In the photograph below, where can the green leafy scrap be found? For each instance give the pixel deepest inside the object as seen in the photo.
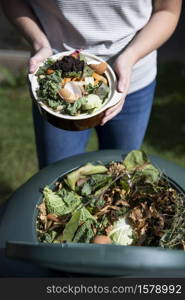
(91, 89)
(82, 57)
(84, 232)
(98, 181)
(58, 204)
(42, 70)
(137, 161)
(49, 86)
(87, 71)
(86, 189)
(48, 237)
(77, 219)
(70, 198)
(53, 103)
(72, 74)
(74, 108)
(88, 169)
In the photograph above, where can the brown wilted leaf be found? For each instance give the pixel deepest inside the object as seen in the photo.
(116, 169)
(103, 211)
(144, 229)
(135, 214)
(141, 224)
(183, 244)
(122, 203)
(42, 208)
(49, 223)
(58, 185)
(108, 199)
(52, 217)
(42, 214)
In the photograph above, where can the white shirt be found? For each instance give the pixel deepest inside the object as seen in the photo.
(101, 27)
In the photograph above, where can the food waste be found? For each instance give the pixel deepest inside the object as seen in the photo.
(129, 203)
(72, 86)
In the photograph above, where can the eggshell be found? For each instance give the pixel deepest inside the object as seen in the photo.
(99, 68)
(67, 96)
(71, 92)
(102, 239)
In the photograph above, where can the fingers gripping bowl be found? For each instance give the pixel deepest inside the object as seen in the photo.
(95, 91)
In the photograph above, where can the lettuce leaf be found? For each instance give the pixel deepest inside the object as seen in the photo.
(88, 169)
(82, 57)
(72, 109)
(98, 181)
(86, 189)
(48, 237)
(137, 161)
(87, 71)
(71, 199)
(60, 204)
(84, 232)
(78, 218)
(122, 232)
(93, 101)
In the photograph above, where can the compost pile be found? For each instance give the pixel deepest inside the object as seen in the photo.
(124, 203)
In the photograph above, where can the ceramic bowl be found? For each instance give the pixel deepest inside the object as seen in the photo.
(82, 121)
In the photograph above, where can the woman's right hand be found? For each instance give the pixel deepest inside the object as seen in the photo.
(39, 56)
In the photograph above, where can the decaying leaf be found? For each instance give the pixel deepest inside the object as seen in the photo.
(88, 169)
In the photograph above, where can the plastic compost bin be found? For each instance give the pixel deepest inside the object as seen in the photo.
(18, 232)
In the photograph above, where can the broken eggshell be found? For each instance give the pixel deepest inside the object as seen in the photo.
(71, 92)
(99, 68)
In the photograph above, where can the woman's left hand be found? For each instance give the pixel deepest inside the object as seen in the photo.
(123, 68)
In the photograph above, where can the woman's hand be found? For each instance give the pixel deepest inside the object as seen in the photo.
(39, 56)
(123, 68)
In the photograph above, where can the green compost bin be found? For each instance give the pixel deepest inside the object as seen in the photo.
(18, 231)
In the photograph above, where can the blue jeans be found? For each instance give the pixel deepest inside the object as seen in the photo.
(125, 131)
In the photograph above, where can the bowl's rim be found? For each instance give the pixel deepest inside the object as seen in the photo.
(107, 103)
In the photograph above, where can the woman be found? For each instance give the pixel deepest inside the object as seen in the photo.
(126, 34)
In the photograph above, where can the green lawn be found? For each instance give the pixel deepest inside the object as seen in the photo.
(165, 135)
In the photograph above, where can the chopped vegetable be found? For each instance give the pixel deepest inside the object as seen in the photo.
(93, 101)
(98, 77)
(121, 232)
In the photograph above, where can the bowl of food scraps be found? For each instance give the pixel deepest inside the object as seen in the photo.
(73, 89)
